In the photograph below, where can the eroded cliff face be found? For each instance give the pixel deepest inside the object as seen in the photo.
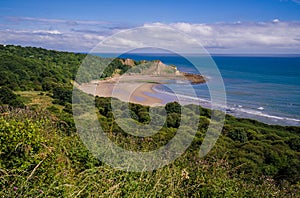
(161, 69)
(127, 61)
(158, 68)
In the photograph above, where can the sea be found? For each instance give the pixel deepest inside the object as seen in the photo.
(261, 87)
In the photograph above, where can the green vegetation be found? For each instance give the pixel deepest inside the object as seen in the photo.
(7, 96)
(41, 154)
(36, 68)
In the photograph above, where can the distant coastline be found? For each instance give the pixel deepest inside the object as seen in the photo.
(138, 87)
(250, 84)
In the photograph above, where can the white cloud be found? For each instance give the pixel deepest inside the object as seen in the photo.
(46, 32)
(52, 40)
(200, 29)
(157, 36)
(268, 37)
(56, 21)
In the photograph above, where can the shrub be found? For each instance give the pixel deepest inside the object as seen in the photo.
(19, 140)
(7, 96)
(238, 134)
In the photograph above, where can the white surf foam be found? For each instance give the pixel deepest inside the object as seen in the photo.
(206, 103)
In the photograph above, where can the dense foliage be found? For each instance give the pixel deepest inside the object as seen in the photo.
(41, 154)
(36, 68)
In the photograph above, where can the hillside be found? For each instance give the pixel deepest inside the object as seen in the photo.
(41, 154)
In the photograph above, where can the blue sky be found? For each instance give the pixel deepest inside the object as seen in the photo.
(57, 24)
(139, 12)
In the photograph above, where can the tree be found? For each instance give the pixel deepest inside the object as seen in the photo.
(7, 96)
(173, 120)
(173, 107)
(238, 134)
(62, 95)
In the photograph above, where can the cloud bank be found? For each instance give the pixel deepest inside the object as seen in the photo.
(239, 37)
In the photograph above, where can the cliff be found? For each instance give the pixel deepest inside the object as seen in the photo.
(158, 68)
(127, 61)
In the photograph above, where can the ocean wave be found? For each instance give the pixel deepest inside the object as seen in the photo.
(234, 110)
(259, 113)
(181, 96)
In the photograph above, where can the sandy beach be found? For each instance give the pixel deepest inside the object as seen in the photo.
(136, 85)
(127, 88)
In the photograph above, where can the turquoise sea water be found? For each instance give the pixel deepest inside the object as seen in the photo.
(263, 88)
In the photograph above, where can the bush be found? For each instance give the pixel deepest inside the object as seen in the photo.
(238, 134)
(20, 141)
(63, 95)
(294, 143)
(10, 98)
(173, 120)
(173, 107)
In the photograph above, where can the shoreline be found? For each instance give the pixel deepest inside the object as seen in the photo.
(136, 86)
(127, 89)
(140, 89)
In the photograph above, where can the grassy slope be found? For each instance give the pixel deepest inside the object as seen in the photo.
(42, 156)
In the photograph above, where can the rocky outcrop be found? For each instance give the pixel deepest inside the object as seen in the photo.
(163, 69)
(127, 61)
(194, 78)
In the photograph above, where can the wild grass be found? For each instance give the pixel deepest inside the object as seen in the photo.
(50, 163)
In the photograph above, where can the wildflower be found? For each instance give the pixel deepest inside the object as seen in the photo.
(185, 174)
